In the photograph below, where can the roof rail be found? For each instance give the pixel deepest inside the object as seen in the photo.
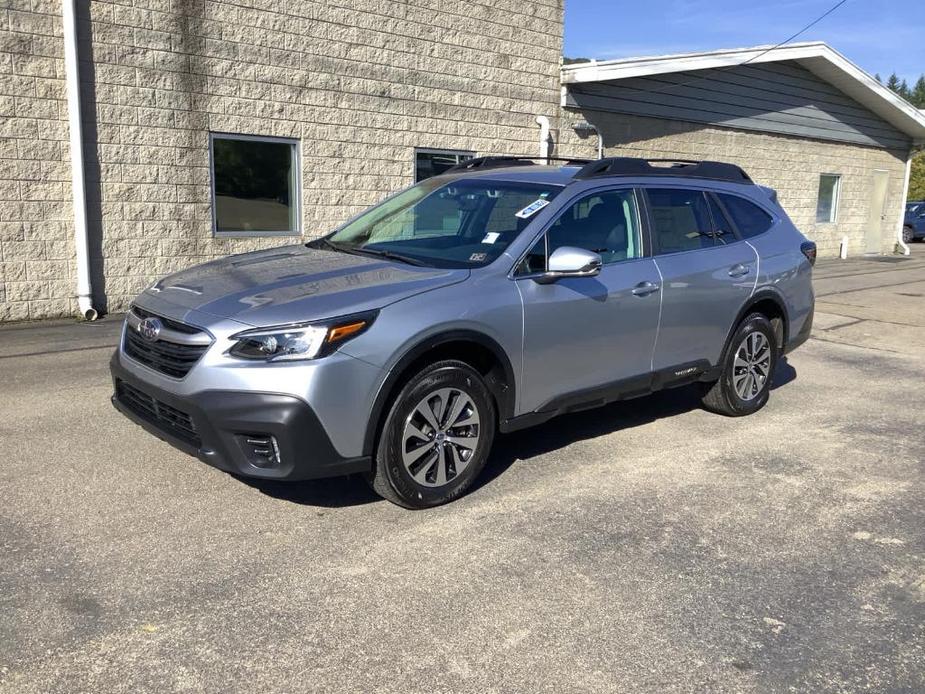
(684, 168)
(494, 162)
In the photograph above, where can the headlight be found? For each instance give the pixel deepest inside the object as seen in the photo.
(300, 341)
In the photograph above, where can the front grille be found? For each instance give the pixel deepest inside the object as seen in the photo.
(169, 419)
(172, 324)
(170, 358)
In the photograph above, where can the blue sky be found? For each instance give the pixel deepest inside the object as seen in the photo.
(879, 35)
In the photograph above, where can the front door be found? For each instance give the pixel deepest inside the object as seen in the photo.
(586, 333)
(707, 275)
(877, 214)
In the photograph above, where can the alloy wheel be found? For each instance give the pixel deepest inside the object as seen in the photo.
(751, 367)
(440, 437)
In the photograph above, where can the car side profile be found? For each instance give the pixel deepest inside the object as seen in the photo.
(485, 300)
(914, 221)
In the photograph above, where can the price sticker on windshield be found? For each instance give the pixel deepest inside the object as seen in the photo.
(531, 209)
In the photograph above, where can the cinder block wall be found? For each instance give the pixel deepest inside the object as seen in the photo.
(36, 235)
(790, 165)
(360, 83)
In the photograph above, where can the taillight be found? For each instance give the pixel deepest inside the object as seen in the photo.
(809, 250)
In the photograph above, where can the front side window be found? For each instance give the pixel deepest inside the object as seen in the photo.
(605, 223)
(255, 185)
(462, 223)
(750, 219)
(681, 220)
(827, 204)
(433, 162)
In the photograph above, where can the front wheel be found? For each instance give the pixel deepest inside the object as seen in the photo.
(436, 437)
(908, 235)
(745, 382)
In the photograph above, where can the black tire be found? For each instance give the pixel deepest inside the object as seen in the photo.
(392, 479)
(908, 235)
(722, 396)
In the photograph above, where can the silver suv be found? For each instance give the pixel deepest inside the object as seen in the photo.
(488, 299)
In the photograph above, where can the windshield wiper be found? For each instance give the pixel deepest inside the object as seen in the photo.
(379, 253)
(375, 252)
(324, 242)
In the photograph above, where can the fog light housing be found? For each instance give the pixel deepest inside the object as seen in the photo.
(261, 450)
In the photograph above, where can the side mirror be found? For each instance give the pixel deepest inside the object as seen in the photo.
(568, 261)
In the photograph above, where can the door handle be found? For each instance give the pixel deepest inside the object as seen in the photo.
(738, 270)
(645, 288)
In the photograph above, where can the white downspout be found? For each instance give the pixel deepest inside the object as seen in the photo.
(902, 206)
(78, 187)
(543, 122)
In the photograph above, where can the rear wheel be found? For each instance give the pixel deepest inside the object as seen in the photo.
(436, 437)
(908, 235)
(745, 382)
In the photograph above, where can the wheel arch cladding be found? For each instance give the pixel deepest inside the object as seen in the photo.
(476, 349)
(771, 305)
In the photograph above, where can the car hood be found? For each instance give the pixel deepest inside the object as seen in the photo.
(294, 283)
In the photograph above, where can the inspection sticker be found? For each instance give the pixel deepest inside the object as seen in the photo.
(531, 209)
(491, 237)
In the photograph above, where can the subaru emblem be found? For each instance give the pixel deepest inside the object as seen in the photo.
(150, 328)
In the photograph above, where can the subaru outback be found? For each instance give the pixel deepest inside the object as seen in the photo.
(488, 299)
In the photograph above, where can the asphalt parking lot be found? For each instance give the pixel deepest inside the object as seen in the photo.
(648, 546)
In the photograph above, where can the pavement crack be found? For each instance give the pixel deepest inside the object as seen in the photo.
(56, 351)
(852, 344)
(866, 289)
(845, 325)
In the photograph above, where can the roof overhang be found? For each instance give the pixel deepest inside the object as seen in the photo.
(817, 57)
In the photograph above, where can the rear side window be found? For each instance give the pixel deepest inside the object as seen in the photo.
(750, 219)
(722, 229)
(680, 220)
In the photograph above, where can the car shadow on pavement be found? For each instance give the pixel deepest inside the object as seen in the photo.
(334, 492)
(567, 429)
(560, 432)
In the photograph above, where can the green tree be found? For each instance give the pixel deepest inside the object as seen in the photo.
(917, 178)
(878, 77)
(914, 95)
(918, 93)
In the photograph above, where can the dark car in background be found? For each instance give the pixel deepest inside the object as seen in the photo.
(914, 221)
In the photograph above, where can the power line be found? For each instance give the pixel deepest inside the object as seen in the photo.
(754, 57)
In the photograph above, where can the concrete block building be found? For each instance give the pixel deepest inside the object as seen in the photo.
(176, 131)
(802, 119)
(212, 127)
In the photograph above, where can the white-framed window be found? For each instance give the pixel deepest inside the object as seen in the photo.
(256, 185)
(433, 162)
(827, 203)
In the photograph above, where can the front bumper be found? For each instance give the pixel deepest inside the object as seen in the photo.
(215, 426)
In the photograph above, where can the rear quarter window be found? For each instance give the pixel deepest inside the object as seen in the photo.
(750, 219)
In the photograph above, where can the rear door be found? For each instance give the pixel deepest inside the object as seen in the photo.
(876, 219)
(707, 274)
(585, 333)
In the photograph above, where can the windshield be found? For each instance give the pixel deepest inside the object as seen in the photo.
(460, 223)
